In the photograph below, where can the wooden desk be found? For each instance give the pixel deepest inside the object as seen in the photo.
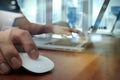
(100, 62)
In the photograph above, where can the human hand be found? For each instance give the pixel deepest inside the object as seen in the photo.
(9, 56)
(77, 35)
(66, 30)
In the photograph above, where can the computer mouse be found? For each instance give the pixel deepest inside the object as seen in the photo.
(40, 65)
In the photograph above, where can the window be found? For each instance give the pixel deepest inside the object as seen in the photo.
(80, 14)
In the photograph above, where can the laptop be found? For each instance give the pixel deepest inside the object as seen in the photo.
(65, 44)
(100, 16)
(61, 43)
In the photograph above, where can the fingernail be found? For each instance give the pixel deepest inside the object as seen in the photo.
(15, 63)
(4, 68)
(34, 54)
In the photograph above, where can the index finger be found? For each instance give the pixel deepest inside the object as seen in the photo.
(28, 44)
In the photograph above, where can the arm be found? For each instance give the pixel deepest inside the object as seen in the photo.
(33, 28)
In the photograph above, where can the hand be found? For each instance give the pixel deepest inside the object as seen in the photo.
(9, 56)
(65, 30)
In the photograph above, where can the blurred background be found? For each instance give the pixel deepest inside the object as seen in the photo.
(80, 14)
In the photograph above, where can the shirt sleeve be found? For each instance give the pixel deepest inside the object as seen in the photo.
(7, 19)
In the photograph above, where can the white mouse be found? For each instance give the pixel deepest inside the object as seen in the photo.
(41, 65)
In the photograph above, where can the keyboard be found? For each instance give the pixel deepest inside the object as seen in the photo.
(63, 42)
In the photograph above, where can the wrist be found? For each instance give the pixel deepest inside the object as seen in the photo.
(48, 28)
